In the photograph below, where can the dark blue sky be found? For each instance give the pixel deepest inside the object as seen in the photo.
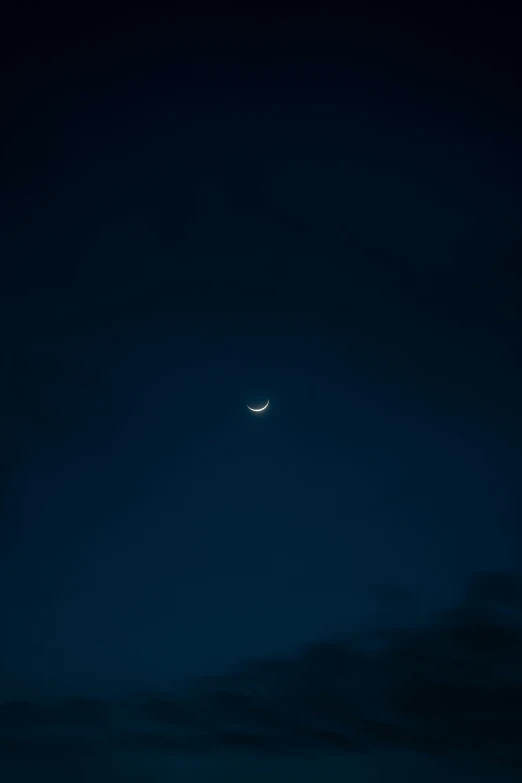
(204, 213)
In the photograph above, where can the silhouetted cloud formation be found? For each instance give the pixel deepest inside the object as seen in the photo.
(451, 687)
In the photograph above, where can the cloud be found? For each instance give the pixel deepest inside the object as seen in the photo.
(74, 712)
(451, 687)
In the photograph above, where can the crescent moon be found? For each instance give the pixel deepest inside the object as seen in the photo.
(258, 410)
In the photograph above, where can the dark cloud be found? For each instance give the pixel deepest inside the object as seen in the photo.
(76, 712)
(498, 589)
(451, 687)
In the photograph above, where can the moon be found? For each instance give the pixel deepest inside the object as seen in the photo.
(258, 410)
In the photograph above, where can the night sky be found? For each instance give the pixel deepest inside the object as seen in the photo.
(199, 212)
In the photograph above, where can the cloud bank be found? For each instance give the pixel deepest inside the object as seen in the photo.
(450, 687)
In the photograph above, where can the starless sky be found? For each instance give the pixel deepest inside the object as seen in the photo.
(200, 213)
